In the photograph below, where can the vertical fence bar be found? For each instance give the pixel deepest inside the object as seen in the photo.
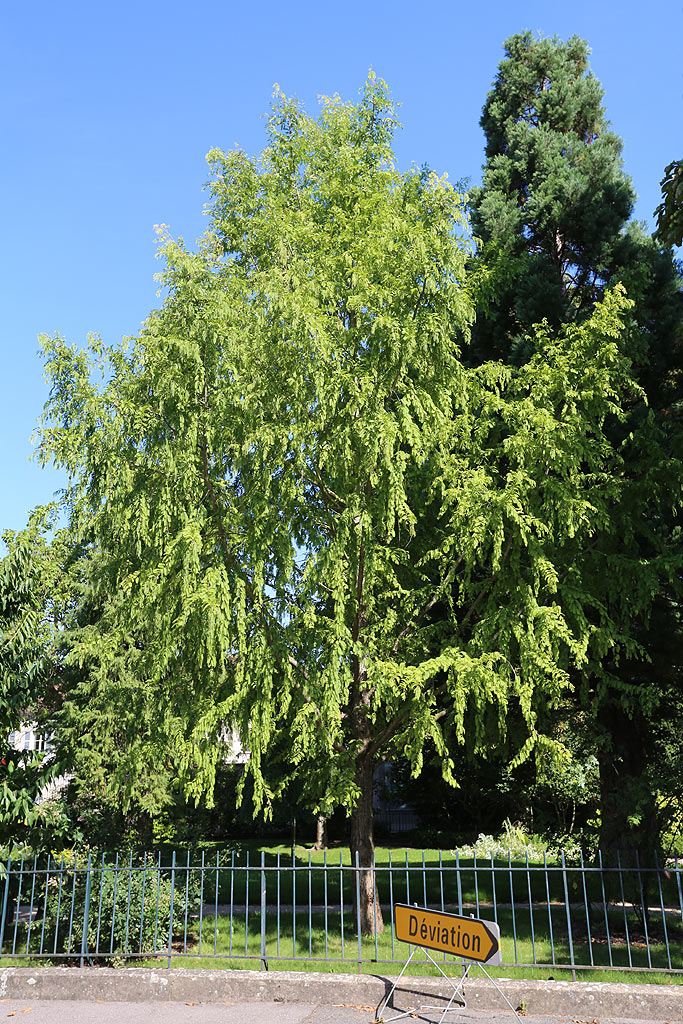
(33, 891)
(459, 880)
(310, 910)
(341, 901)
(512, 904)
(358, 927)
(263, 911)
(73, 900)
(294, 901)
(47, 890)
(623, 904)
(170, 912)
(531, 907)
(187, 900)
(5, 898)
(59, 901)
(408, 894)
(661, 903)
(99, 908)
(130, 887)
(215, 920)
(424, 880)
(550, 914)
(86, 912)
(678, 885)
(391, 908)
(142, 902)
(407, 884)
(232, 898)
(585, 902)
(476, 880)
(16, 912)
(246, 906)
(375, 894)
(604, 907)
(18, 903)
(201, 904)
(278, 904)
(441, 890)
(569, 916)
(113, 909)
(325, 895)
(644, 909)
(156, 911)
(493, 883)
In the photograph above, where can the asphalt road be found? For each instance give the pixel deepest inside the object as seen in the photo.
(74, 1012)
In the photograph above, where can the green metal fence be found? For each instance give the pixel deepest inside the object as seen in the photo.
(608, 914)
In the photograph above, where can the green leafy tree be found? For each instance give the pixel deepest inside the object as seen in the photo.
(33, 605)
(311, 518)
(552, 216)
(670, 211)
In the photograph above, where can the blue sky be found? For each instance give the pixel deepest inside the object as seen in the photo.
(108, 111)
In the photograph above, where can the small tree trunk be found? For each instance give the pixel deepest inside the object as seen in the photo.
(320, 833)
(365, 895)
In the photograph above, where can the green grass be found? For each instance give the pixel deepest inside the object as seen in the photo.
(439, 877)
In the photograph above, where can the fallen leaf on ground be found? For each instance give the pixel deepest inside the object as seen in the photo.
(355, 1006)
(189, 1004)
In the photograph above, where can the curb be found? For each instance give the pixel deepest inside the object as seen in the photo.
(140, 984)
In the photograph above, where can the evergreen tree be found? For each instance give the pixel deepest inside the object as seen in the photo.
(554, 197)
(552, 216)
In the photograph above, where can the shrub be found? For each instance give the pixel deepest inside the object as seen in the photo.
(129, 909)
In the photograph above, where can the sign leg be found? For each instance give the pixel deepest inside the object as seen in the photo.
(380, 1012)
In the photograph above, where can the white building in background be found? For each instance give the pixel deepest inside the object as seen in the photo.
(27, 738)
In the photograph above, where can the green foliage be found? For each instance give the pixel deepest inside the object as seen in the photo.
(33, 602)
(670, 212)
(129, 908)
(309, 516)
(552, 215)
(554, 197)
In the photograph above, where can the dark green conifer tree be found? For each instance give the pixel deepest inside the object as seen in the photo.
(552, 216)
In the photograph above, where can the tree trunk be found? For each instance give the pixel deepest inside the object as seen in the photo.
(365, 896)
(625, 789)
(320, 833)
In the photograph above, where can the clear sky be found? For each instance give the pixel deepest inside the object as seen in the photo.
(108, 110)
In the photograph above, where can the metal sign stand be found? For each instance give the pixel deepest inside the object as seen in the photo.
(457, 990)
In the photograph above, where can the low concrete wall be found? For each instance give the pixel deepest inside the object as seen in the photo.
(139, 984)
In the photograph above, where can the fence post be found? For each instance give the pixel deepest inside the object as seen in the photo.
(86, 914)
(4, 902)
(170, 916)
(569, 917)
(264, 959)
(358, 920)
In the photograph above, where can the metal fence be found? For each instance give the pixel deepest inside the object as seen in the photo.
(187, 906)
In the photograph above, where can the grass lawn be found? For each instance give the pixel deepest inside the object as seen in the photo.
(408, 875)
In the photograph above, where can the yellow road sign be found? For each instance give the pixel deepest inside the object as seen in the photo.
(467, 937)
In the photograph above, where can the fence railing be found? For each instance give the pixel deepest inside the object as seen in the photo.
(607, 914)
